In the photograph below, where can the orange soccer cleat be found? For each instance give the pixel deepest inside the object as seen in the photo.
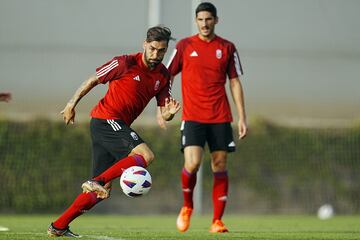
(183, 220)
(218, 227)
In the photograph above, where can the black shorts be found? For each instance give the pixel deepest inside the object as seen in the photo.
(112, 140)
(217, 135)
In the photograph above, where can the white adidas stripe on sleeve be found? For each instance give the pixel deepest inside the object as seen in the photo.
(106, 69)
(237, 64)
(171, 58)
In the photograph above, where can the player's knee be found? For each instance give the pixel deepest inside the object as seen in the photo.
(218, 165)
(192, 167)
(148, 157)
(144, 151)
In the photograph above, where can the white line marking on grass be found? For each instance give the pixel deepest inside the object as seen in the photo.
(88, 236)
(102, 237)
(3, 229)
(26, 233)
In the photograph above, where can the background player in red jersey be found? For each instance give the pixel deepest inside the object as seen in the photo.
(5, 97)
(205, 60)
(133, 81)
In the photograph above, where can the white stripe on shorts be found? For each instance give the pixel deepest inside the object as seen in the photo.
(115, 126)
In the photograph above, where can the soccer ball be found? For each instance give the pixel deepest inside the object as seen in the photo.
(135, 181)
(326, 211)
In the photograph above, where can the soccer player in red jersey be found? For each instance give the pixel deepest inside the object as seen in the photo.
(133, 81)
(5, 97)
(205, 61)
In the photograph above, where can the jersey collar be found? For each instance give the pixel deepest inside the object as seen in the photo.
(197, 37)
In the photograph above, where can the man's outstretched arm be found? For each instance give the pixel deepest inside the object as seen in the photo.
(69, 110)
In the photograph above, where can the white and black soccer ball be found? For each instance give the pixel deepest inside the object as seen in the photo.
(135, 181)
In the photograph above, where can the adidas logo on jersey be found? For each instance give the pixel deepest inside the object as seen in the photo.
(232, 144)
(194, 54)
(137, 78)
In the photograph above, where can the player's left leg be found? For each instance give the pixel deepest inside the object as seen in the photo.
(126, 147)
(220, 189)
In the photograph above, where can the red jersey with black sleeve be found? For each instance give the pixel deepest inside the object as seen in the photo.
(131, 86)
(204, 67)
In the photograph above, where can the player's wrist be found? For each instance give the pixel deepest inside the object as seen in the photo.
(70, 105)
(167, 116)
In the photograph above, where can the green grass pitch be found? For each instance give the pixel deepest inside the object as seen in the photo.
(114, 227)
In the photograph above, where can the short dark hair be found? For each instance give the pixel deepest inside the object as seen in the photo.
(158, 33)
(208, 7)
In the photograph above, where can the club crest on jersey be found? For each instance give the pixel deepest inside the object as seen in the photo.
(157, 85)
(218, 53)
(134, 136)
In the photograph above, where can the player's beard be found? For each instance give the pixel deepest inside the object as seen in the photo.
(152, 63)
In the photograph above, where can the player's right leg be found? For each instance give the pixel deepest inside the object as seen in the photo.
(83, 203)
(93, 192)
(193, 156)
(193, 140)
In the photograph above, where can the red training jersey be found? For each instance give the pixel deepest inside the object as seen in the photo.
(131, 86)
(204, 66)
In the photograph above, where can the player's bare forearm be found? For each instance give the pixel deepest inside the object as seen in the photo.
(85, 87)
(159, 116)
(69, 110)
(170, 109)
(238, 97)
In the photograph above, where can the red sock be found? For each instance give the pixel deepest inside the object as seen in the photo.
(117, 169)
(82, 203)
(220, 192)
(188, 181)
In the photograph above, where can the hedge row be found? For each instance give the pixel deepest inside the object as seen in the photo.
(280, 169)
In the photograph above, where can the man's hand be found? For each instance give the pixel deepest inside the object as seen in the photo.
(68, 114)
(172, 106)
(170, 109)
(242, 126)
